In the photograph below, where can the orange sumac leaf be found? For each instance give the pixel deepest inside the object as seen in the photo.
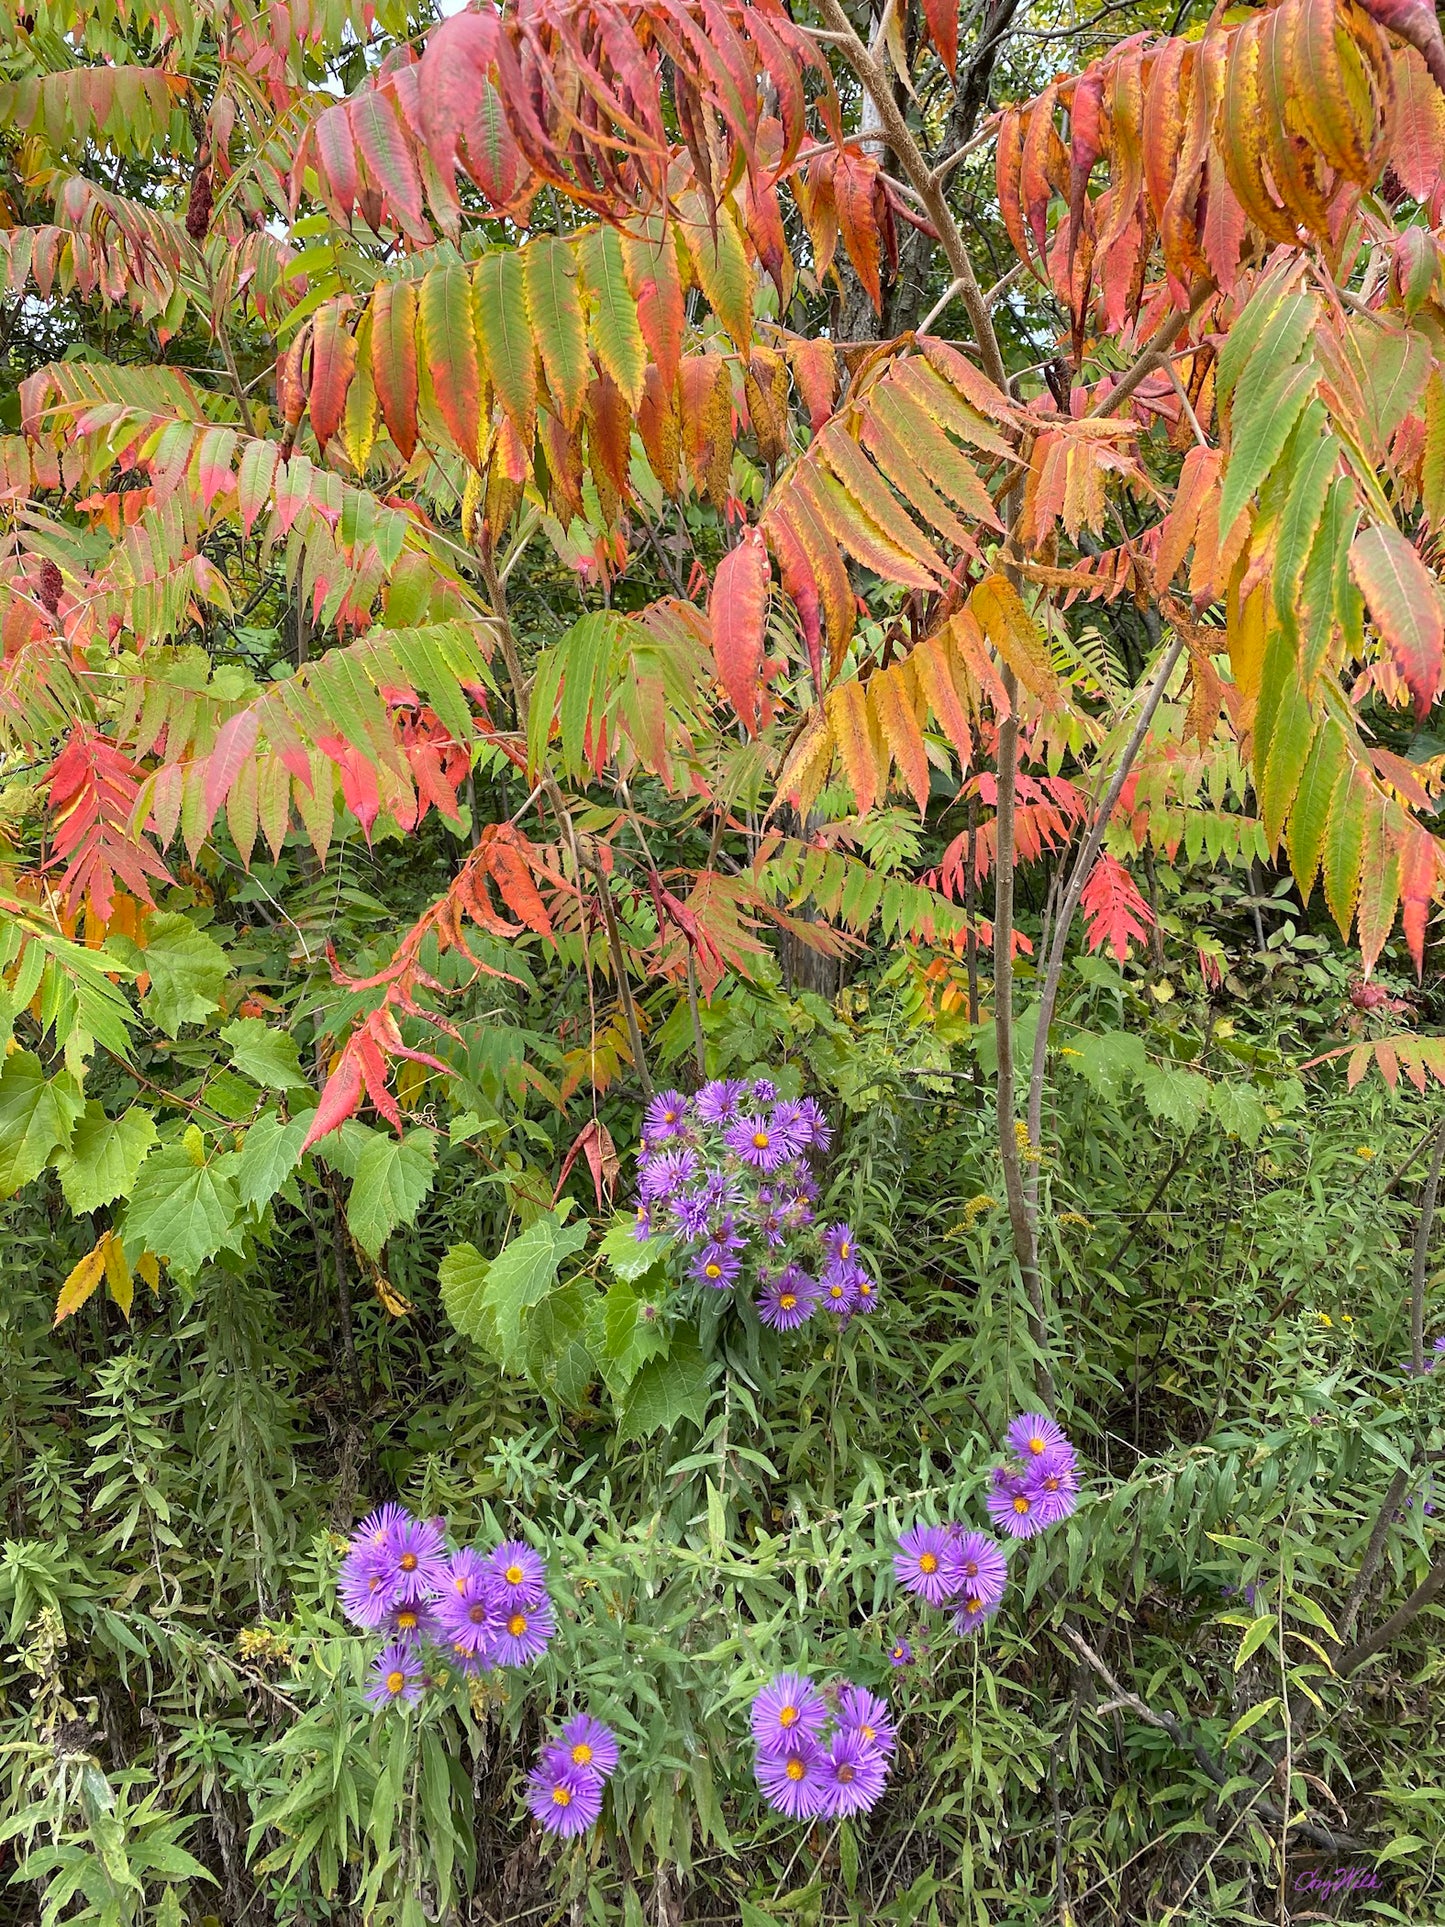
(1404, 604)
(393, 361)
(333, 363)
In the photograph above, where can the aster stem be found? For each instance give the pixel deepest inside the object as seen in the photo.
(1021, 1218)
(1422, 1252)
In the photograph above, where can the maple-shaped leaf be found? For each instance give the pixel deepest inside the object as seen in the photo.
(1114, 911)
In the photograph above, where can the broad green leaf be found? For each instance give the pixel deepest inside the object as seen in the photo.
(668, 1390)
(186, 968)
(1110, 1063)
(1246, 1720)
(270, 1153)
(1239, 1110)
(393, 1176)
(267, 1056)
(558, 1357)
(519, 1277)
(1174, 1095)
(629, 1256)
(183, 1211)
(624, 1331)
(104, 1155)
(37, 1114)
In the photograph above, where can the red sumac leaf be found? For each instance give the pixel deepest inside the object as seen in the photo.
(738, 609)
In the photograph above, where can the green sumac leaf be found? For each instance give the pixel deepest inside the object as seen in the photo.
(37, 1115)
(1259, 436)
(104, 1155)
(393, 1176)
(183, 1211)
(615, 329)
(668, 1390)
(554, 306)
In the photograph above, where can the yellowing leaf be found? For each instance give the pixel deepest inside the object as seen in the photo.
(118, 1280)
(82, 1281)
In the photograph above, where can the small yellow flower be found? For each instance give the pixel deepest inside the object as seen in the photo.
(1028, 1150)
(975, 1209)
(1363, 1151)
(1075, 1217)
(1325, 1318)
(1067, 1050)
(1345, 1318)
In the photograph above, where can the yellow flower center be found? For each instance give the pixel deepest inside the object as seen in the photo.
(406, 1622)
(1036, 1446)
(561, 1797)
(517, 1625)
(1021, 1503)
(844, 1249)
(788, 1716)
(408, 1562)
(788, 1300)
(395, 1682)
(760, 1140)
(712, 1271)
(972, 1602)
(867, 1731)
(460, 1584)
(865, 1288)
(513, 1575)
(928, 1562)
(669, 1117)
(795, 1768)
(835, 1291)
(582, 1753)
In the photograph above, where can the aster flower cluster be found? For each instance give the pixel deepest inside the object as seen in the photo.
(968, 1571)
(812, 1762)
(727, 1173)
(564, 1789)
(477, 1610)
(1435, 1356)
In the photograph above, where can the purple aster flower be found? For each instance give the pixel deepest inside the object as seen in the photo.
(587, 1745)
(773, 1229)
(516, 1576)
(642, 1224)
(1034, 1433)
(717, 1266)
(838, 1242)
(565, 1799)
(416, 1559)
(819, 1131)
(764, 1090)
(900, 1653)
(788, 1301)
(692, 1217)
(524, 1634)
(755, 1142)
(725, 1233)
(466, 1569)
(364, 1586)
(395, 1675)
(866, 1287)
(788, 1709)
(867, 1714)
(468, 1620)
(840, 1294)
(661, 1178)
(982, 1567)
(787, 1127)
(854, 1774)
(1013, 1506)
(926, 1562)
(409, 1624)
(793, 1781)
(377, 1527)
(974, 1610)
(718, 1101)
(1053, 1484)
(470, 1665)
(665, 1117)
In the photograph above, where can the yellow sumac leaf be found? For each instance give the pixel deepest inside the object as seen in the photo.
(806, 767)
(999, 610)
(82, 1281)
(892, 699)
(854, 730)
(147, 1266)
(118, 1280)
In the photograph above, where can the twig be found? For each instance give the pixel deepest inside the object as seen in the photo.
(1155, 346)
(1420, 1598)
(1374, 1552)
